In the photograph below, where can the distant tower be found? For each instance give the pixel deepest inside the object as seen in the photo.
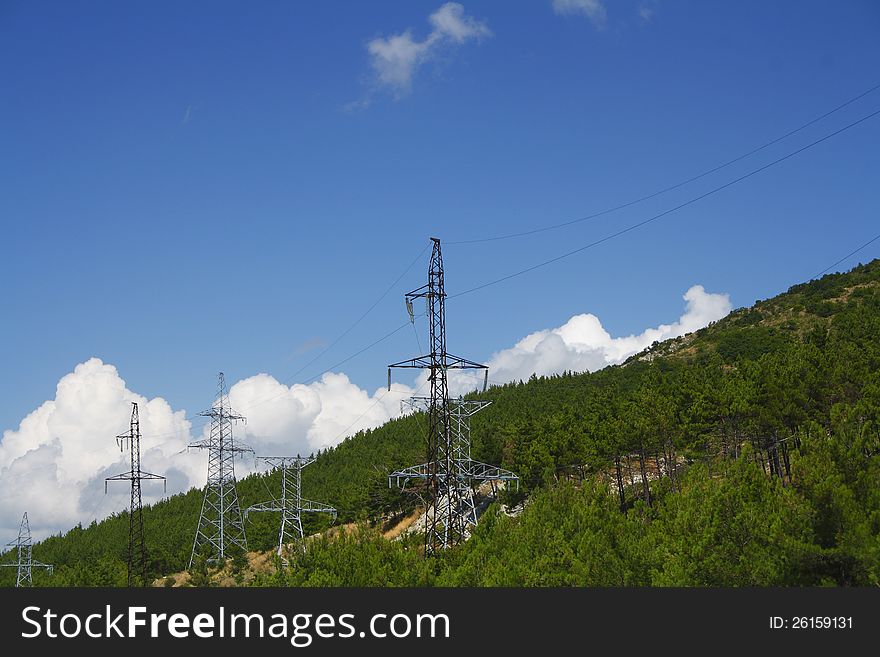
(24, 562)
(449, 472)
(292, 505)
(220, 521)
(137, 547)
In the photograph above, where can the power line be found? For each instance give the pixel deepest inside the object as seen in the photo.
(316, 376)
(848, 255)
(361, 318)
(360, 417)
(305, 381)
(585, 247)
(568, 223)
(329, 347)
(669, 211)
(335, 365)
(675, 186)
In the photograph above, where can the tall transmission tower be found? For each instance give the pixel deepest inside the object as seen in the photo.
(137, 546)
(24, 561)
(292, 505)
(449, 472)
(220, 522)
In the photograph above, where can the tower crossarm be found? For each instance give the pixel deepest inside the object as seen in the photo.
(277, 462)
(470, 471)
(415, 404)
(465, 408)
(130, 475)
(308, 506)
(477, 471)
(235, 448)
(403, 476)
(267, 507)
(448, 362)
(419, 292)
(223, 412)
(426, 362)
(34, 564)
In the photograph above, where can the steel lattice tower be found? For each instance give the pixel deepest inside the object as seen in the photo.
(137, 547)
(24, 561)
(220, 522)
(292, 505)
(449, 471)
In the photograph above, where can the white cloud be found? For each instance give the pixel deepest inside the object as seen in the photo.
(450, 21)
(593, 9)
(300, 419)
(582, 343)
(395, 59)
(54, 464)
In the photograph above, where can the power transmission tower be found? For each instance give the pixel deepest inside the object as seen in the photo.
(137, 547)
(220, 522)
(449, 472)
(467, 469)
(292, 505)
(24, 562)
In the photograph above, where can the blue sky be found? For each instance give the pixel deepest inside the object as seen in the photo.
(190, 187)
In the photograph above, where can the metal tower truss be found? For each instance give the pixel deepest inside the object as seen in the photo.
(220, 522)
(449, 471)
(24, 561)
(468, 471)
(137, 548)
(291, 506)
(462, 412)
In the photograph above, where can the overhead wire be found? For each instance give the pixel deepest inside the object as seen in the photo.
(670, 188)
(335, 365)
(578, 250)
(361, 318)
(655, 217)
(572, 252)
(325, 350)
(93, 512)
(848, 255)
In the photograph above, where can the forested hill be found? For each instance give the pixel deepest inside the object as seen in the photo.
(744, 453)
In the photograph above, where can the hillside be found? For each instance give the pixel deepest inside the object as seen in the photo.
(744, 453)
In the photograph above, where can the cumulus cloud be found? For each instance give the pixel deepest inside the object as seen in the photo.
(300, 419)
(54, 464)
(582, 343)
(395, 59)
(592, 9)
